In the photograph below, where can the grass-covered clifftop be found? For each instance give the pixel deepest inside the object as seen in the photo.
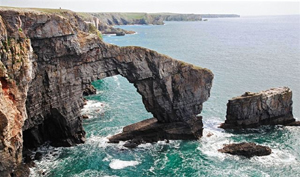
(114, 18)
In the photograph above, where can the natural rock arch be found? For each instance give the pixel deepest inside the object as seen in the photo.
(172, 91)
(58, 58)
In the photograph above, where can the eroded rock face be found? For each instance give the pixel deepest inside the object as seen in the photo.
(62, 60)
(246, 149)
(270, 107)
(15, 75)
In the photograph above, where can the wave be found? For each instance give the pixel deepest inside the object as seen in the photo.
(120, 164)
(94, 108)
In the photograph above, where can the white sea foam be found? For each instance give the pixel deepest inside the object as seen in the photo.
(145, 145)
(213, 140)
(120, 164)
(117, 80)
(98, 140)
(49, 160)
(277, 157)
(94, 108)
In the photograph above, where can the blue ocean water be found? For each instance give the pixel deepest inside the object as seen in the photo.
(245, 54)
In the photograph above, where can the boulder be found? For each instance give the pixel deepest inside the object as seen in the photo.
(246, 149)
(89, 90)
(120, 33)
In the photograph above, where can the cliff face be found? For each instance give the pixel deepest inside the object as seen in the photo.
(268, 107)
(152, 18)
(15, 75)
(128, 18)
(48, 60)
(105, 21)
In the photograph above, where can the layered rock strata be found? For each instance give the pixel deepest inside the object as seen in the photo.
(270, 107)
(48, 60)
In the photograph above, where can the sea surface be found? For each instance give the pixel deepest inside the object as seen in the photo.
(245, 54)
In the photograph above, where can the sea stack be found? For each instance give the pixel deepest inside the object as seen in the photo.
(270, 107)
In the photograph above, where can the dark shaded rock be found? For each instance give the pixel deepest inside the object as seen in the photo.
(89, 90)
(120, 33)
(246, 149)
(85, 116)
(38, 156)
(296, 123)
(132, 143)
(270, 107)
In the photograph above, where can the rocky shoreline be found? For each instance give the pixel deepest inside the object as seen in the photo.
(105, 22)
(49, 60)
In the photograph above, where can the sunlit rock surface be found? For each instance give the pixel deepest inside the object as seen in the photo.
(270, 107)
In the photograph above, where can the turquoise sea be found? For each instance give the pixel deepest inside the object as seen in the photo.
(245, 54)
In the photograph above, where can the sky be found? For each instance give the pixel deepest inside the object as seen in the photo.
(241, 7)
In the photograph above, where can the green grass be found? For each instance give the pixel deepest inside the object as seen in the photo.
(132, 16)
(85, 16)
(94, 30)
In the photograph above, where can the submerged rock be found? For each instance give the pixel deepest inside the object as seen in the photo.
(246, 149)
(270, 107)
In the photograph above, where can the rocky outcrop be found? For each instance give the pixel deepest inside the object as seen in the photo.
(246, 149)
(151, 130)
(105, 28)
(270, 107)
(50, 58)
(89, 90)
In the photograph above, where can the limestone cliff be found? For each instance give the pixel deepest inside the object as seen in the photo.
(270, 107)
(48, 59)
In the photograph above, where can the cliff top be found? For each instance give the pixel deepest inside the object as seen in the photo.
(269, 92)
